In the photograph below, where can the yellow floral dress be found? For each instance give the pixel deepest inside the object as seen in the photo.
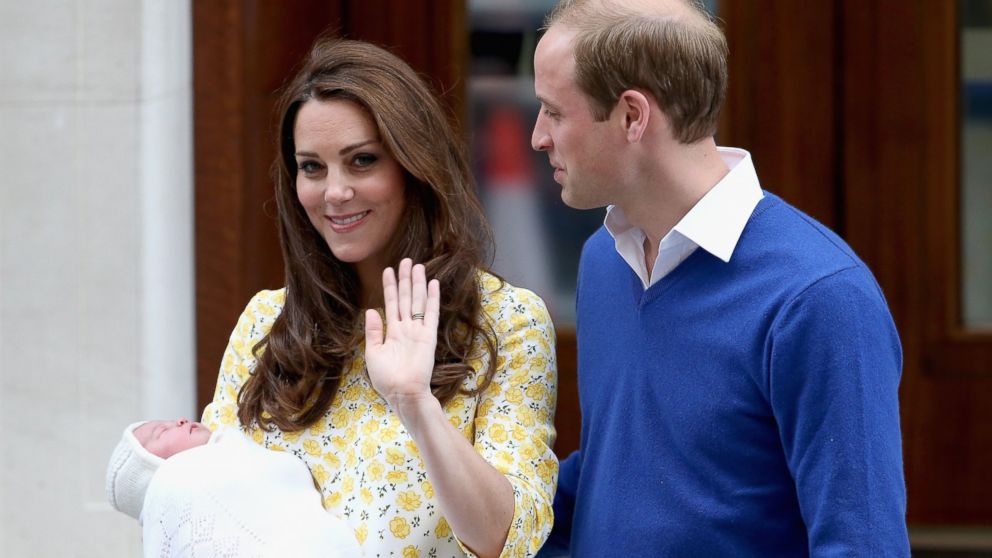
(367, 466)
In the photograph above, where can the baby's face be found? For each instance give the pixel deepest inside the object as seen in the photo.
(166, 438)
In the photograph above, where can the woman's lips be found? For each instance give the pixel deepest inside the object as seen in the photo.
(345, 223)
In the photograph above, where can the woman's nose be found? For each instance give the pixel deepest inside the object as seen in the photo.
(337, 191)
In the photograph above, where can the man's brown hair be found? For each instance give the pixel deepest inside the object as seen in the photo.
(673, 50)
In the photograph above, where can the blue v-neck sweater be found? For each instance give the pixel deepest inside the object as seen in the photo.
(740, 409)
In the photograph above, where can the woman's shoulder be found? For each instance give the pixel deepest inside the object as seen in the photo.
(498, 296)
(261, 311)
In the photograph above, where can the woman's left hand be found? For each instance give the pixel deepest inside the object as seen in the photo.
(400, 366)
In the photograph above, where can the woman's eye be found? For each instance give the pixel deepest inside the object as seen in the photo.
(364, 159)
(309, 167)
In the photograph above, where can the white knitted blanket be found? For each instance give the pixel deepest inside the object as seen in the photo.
(234, 498)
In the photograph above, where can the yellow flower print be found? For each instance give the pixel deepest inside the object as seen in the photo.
(348, 484)
(528, 452)
(376, 470)
(521, 377)
(395, 457)
(312, 447)
(366, 496)
(277, 447)
(378, 409)
(536, 391)
(266, 310)
(332, 501)
(408, 500)
(368, 448)
(362, 533)
(519, 321)
(332, 460)
(320, 474)
(396, 477)
(455, 421)
(456, 405)
(227, 415)
(339, 418)
(350, 459)
(232, 394)
(544, 472)
(538, 363)
(519, 434)
(427, 488)
(399, 527)
(318, 428)
(353, 392)
(515, 395)
(442, 531)
(411, 448)
(292, 437)
(481, 423)
(486, 405)
(525, 417)
(498, 433)
(505, 459)
(370, 427)
(339, 442)
(389, 433)
(257, 436)
(411, 552)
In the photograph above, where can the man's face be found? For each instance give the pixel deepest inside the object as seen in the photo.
(580, 149)
(166, 438)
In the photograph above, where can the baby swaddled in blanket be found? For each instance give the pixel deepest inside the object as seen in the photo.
(198, 494)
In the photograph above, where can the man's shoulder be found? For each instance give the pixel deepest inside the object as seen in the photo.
(780, 239)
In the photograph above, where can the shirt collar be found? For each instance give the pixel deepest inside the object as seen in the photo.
(717, 221)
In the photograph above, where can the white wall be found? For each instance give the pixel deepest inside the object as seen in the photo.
(96, 257)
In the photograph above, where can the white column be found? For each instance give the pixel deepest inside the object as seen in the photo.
(96, 257)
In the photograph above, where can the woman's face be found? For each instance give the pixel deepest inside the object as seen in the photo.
(349, 184)
(166, 438)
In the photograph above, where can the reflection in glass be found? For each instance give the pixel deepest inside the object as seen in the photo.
(976, 162)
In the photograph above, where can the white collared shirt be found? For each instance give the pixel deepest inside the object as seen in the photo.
(714, 224)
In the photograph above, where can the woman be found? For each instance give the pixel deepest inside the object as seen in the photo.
(432, 439)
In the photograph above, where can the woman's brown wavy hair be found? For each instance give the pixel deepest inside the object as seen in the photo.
(302, 359)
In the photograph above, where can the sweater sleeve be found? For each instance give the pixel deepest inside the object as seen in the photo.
(514, 425)
(239, 360)
(834, 370)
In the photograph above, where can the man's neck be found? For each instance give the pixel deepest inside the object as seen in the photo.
(669, 188)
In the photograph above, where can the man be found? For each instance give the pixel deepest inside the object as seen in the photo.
(738, 365)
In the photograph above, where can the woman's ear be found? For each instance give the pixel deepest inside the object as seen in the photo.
(635, 111)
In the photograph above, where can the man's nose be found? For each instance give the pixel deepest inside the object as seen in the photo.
(540, 140)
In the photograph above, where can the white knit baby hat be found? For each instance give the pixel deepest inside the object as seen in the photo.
(130, 470)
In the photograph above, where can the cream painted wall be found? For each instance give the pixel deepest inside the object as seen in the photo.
(96, 257)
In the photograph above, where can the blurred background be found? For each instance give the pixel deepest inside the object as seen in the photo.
(137, 218)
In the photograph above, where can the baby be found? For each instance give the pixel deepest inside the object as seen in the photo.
(198, 493)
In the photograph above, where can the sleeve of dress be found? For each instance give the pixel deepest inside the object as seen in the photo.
(514, 425)
(835, 365)
(238, 361)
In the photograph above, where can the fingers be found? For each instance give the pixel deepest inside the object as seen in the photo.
(404, 288)
(389, 296)
(418, 293)
(433, 309)
(373, 329)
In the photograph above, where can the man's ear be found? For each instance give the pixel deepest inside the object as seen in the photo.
(635, 112)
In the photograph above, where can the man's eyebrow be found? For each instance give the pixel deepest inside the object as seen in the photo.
(548, 104)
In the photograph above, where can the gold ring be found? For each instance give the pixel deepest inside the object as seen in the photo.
(417, 316)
